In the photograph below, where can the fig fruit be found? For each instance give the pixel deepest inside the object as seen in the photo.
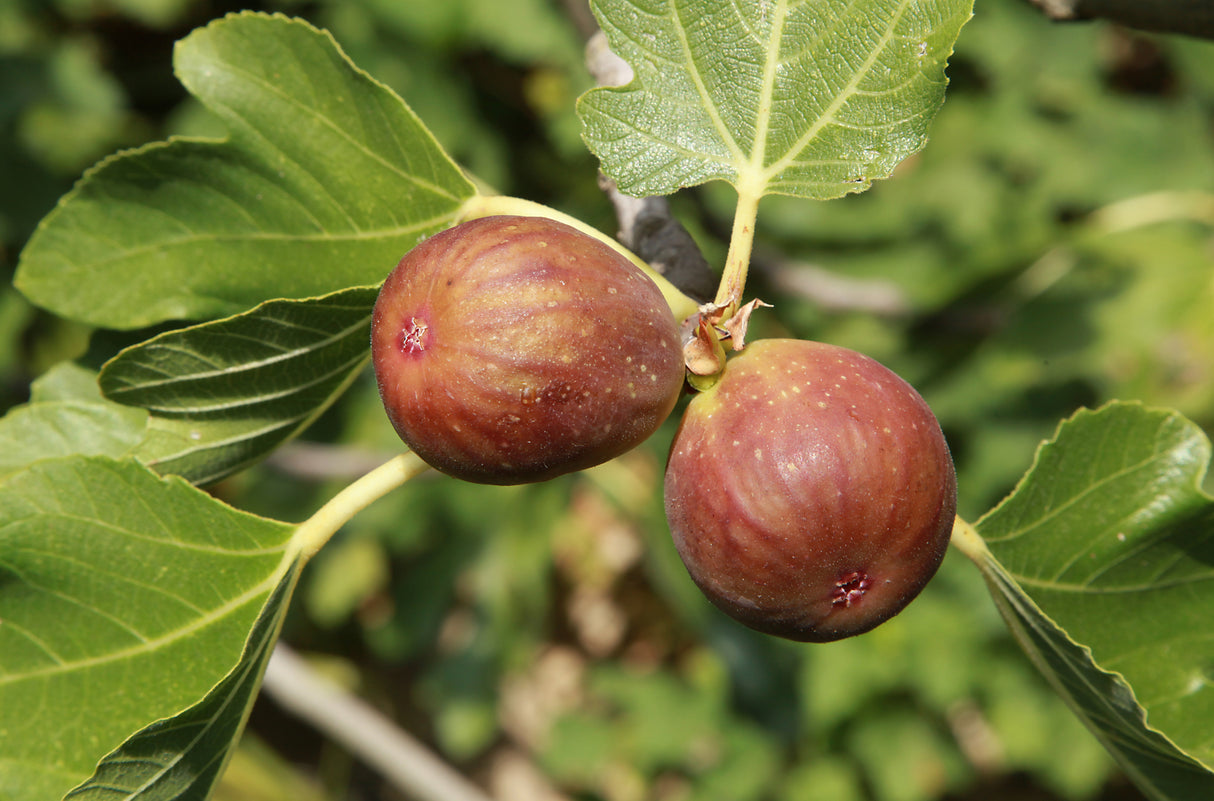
(810, 492)
(515, 349)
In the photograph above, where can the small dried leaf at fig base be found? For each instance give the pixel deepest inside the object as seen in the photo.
(737, 325)
(703, 352)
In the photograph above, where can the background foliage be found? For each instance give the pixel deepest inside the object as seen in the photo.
(1050, 248)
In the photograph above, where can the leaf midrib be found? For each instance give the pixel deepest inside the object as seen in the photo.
(126, 253)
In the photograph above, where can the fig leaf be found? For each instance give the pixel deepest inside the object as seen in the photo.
(224, 394)
(114, 579)
(326, 178)
(1102, 564)
(814, 100)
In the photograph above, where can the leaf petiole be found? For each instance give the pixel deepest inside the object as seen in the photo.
(313, 533)
(741, 242)
(967, 540)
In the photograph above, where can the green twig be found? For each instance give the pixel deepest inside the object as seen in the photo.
(966, 539)
(314, 532)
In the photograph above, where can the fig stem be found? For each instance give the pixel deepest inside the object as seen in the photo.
(741, 241)
(313, 533)
(966, 539)
(492, 205)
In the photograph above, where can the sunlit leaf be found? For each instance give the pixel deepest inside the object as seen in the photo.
(327, 178)
(183, 757)
(1102, 563)
(124, 598)
(814, 99)
(66, 415)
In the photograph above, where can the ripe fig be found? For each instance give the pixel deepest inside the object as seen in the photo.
(810, 492)
(515, 349)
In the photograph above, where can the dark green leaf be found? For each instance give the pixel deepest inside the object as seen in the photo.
(224, 394)
(183, 757)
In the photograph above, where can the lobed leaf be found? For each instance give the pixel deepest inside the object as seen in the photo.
(814, 99)
(1102, 563)
(327, 178)
(224, 394)
(124, 598)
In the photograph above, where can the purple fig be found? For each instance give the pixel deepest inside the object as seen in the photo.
(516, 349)
(810, 492)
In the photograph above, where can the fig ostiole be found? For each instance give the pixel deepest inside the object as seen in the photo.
(515, 349)
(810, 492)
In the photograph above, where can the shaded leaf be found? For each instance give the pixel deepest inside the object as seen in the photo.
(326, 180)
(224, 394)
(124, 598)
(807, 99)
(1102, 563)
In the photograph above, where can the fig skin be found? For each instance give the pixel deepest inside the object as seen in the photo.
(515, 349)
(810, 492)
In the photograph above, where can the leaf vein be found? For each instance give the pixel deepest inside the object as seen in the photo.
(840, 99)
(252, 401)
(243, 367)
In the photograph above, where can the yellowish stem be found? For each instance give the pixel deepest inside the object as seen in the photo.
(314, 532)
(741, 242)
(966, 539)
(1152, 208)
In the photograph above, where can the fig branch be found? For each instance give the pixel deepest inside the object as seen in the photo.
(404, 762)
(649, 229)
(1188, 17)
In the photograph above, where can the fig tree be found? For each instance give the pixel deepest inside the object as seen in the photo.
(515, 349)
(810, 492)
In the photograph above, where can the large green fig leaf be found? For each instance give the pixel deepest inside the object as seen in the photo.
(124, 598)
(327, 178)
(808, 99)
(183, 758)
(1102, 563)
(224, 394)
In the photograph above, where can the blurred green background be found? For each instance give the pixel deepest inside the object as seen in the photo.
(1051, 248)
